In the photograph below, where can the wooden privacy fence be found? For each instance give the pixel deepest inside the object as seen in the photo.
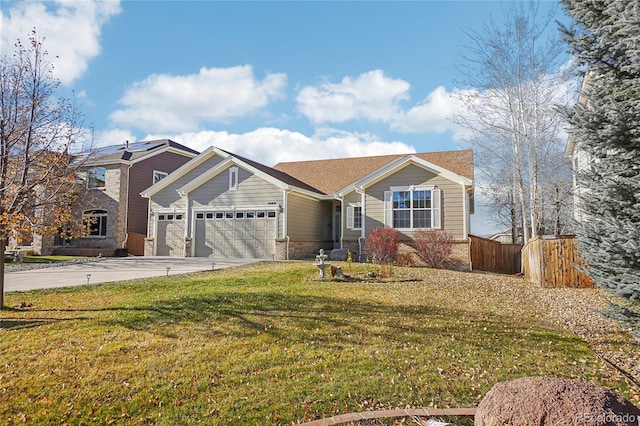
(135, 244)
(552, 263)
(494, 256)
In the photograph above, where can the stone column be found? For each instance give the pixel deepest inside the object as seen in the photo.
(148, 246)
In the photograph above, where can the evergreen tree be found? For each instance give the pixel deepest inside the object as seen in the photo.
(605, 40)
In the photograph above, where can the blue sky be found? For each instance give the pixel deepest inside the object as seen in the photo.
(274, 81)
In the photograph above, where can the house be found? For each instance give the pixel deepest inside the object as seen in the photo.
(223, 205)
(109, 206)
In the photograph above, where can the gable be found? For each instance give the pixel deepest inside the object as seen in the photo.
(187, 172)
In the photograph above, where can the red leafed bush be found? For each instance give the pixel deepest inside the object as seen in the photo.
(382, 244)
(434, 247)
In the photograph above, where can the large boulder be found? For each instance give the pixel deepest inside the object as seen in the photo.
(554, 401)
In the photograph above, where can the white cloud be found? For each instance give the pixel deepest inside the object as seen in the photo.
(169, 103)
(269, 145)
(113, 137)
(434, 115)
(71, 30)
(371, 96)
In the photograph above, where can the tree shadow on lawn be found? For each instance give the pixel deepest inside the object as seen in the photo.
(22, 323)
(321, 319)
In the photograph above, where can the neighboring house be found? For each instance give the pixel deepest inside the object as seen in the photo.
(580, 159)
(110, 207)
(223, 205)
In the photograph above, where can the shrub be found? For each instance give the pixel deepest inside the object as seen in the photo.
(434, 247)
(405, 259)
(382, 244)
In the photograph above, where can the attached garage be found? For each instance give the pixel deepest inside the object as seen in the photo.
(238, 233)
(170, 234)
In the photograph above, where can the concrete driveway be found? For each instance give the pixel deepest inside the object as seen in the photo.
(112, 269)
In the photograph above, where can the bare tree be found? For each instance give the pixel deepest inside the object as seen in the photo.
(511, 111)
(39, 131)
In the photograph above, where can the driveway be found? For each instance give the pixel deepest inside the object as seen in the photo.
(113, 269)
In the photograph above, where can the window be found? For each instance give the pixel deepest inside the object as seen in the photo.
(271, 214)
(233, 178)
(158, 176)
(96, 177)
(239, 215)
(413, 208)
(354, 216)
(199, 216)
(95, 223)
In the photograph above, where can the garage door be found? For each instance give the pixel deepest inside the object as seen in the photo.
(242, 234)
(170, 235)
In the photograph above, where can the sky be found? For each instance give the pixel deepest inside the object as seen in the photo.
(272, 81)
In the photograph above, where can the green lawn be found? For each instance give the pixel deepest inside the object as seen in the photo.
(48, 259)
(271, 344)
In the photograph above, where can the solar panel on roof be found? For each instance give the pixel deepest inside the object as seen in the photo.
(144, 146)
(107, 150)
(104, 151)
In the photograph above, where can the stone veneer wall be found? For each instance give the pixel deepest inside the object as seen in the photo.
(300, 249)
(148, 246)
(459, 256)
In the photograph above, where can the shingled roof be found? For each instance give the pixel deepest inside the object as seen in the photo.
(329, 176)
(280, 175)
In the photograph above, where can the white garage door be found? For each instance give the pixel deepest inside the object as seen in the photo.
(240, 233)
(170, 235)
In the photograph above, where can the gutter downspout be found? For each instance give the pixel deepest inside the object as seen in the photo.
(287, 253)
(126, 208)
(363, 231)
(285, 224)
(341, 199)
(360, 240)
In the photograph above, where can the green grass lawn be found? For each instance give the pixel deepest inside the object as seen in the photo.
(48, 259)
(271, 344)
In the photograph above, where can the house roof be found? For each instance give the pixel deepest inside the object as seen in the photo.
(280, 175)
(131, 152)
(329, 176)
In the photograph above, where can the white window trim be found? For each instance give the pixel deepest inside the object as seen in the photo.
(88, 214)
(233, 178)
(351, 209)
(158, 176)
(105, 178)
(436, 205)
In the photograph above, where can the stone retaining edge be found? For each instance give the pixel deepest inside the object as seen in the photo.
(385, 414)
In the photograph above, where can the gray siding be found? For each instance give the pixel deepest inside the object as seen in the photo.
(169, 198)
(252, 190)
(308, 219)
(452, 199)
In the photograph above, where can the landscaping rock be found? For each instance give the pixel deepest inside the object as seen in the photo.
(339, 254)
(554, 401)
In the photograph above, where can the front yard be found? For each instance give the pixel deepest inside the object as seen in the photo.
(272, 344)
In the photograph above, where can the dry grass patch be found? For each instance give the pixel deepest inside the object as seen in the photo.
(271, 344)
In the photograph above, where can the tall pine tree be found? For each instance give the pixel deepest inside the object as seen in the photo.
(605, 40)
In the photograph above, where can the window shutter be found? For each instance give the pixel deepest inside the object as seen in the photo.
(388, 209)
(436, 211)
(350, 217)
